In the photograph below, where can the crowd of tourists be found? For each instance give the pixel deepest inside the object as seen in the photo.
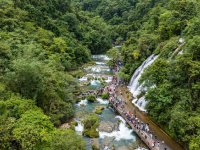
(119, 103)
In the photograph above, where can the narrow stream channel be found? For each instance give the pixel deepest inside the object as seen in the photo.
(120, 136)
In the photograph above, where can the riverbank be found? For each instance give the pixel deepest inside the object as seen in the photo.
(162, 136)
(127, 97)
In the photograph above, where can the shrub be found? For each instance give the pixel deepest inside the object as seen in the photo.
(105, 96)
(91, 98)
(94, 147)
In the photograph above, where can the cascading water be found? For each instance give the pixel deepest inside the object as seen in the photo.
(119, 135)
(123, 133)
(83, 79)
(181, 40)
(79, 128)
(134, 86)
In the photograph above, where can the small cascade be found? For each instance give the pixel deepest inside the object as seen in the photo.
(79, 128)
(181, 40)
(83, 79)
(140, 103)
(109, 79)
(101, 101)
(100, 63)
(94, 82)
(141, 148)
(177, 50)
(123, 133)
(179, 53)
(134, 86)
(82, 102)
(104, 57)
(106, 148)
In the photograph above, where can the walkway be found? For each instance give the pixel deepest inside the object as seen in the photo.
(161, 135)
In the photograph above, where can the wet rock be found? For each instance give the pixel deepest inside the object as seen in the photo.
(106, 126)
(98, 109)
(82, 104)
(107, 140)
(65, 126)
(122, 148)
(130, 146)
(95, 141)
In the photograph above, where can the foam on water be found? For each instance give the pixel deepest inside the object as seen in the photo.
(104, 57)
(181, 40)
(181, 52)
(83, 79)
(101, 101)
(123, 133)
(141, 148)
(79, 127)
(109, 79)
(100, 63)
(82, 102)
(106, 148)
(141, 103)
(94, 82)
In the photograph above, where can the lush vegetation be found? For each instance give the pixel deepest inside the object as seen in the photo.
(154, 27)
(41, 41)
(174, 100)
(90, 125)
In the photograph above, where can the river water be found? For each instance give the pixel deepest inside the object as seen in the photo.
(122, 137)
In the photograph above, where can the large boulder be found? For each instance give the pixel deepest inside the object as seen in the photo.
(106, 126)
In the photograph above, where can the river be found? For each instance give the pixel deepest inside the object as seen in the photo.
(120, 136)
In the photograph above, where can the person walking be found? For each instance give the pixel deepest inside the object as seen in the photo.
(163, 143)
(155, 137)
(158, 144)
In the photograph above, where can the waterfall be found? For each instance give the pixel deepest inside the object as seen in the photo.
(177, 50)
(134, 86)
(181, 40)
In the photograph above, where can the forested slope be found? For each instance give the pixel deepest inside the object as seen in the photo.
(40, 41)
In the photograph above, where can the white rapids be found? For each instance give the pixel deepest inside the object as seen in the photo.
(79, 128)
(123, 133)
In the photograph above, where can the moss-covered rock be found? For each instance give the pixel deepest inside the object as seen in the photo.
(105, 96)
(94, 147)
(89, 64)
(102, 81)
(78, 73)
(73, 124)
(98, 109)
(77, 100)
(85, 83)
(91, 98)
(90, 126)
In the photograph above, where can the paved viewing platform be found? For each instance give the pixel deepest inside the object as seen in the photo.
(117, 94)
(148, 141)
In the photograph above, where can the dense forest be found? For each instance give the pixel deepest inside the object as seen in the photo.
(41, 41)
